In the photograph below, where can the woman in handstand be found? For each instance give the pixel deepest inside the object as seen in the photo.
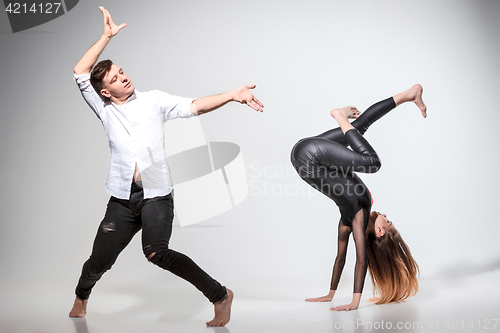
(325, 163)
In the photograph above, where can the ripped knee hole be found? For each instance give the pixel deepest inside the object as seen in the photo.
(108, 227)
(150, 255)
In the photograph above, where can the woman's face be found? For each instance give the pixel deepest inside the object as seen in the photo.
(382, 224)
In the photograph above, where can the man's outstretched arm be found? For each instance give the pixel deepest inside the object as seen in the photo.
(241, 94)
(90, 57)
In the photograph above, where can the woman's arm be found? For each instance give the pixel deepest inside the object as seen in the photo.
(343, 240)
(358, 229)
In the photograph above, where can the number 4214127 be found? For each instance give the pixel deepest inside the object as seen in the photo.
(41, 8)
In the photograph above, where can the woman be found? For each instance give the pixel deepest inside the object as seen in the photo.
(325, 162)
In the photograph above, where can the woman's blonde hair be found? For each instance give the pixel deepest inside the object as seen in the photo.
(392, 267)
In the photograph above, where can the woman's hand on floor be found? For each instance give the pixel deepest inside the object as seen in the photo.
(326, 298)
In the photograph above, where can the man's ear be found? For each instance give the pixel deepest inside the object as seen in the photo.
(105, 93)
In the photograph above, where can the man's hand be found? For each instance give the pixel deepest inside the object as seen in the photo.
(90, 57)
(244, 96)
(110, 28)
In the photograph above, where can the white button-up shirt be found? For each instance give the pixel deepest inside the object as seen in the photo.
(136, 135)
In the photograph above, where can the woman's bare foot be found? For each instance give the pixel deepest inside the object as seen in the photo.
(416, 97)
(222, 311)
(343, 115)
(79, 308)
(350, 112)
(414, 94)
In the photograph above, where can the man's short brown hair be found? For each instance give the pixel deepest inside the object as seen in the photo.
(98, 73)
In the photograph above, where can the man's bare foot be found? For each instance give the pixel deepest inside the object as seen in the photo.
(222, 311)
(349, 112)
(79, 308)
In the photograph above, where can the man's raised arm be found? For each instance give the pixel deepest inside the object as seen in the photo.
(242, 95)
(90, 57)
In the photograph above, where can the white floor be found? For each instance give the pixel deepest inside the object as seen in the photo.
(467, 303)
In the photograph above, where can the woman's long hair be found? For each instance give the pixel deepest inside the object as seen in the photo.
(392, 267)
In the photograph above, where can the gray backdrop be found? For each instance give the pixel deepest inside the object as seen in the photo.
(438, 182)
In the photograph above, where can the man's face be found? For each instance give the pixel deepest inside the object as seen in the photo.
(117, 84)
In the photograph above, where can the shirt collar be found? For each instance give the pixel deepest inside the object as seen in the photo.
(130, 99)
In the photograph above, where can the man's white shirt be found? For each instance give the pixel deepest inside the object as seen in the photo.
(135, 132)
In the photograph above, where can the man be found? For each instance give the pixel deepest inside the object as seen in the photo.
(139, 180)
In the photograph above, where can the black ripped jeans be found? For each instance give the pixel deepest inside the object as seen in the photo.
(123, 219)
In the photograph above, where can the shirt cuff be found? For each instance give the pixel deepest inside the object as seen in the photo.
(79, 78)
(192, 108)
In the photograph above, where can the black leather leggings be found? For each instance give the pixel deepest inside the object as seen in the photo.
(123, 219)
(325, 162)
